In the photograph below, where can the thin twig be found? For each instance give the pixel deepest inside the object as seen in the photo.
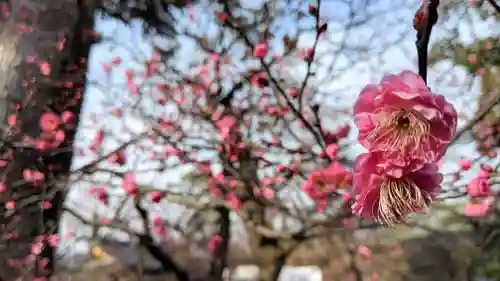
(478, 118)
(495, 5)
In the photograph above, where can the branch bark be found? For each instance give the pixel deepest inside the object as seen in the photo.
(430, 10)
(29, 89)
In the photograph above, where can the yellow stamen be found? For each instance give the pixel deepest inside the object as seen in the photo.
(400, 129)
(398, 198)
(320, 185)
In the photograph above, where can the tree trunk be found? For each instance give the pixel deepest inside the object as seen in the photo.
(43, 50)
(220, 256)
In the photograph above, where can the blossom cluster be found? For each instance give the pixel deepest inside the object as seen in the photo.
(406, 129)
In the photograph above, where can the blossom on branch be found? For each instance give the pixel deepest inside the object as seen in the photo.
(390, 199)
(406, 129)
(403, 119)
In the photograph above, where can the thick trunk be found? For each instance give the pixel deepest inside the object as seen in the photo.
(268, 253)
(220, 257)
(43, 52)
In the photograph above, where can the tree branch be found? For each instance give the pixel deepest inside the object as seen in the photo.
(495, 5)
(423, 36)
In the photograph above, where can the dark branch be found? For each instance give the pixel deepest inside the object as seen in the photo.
(423, 37)
(495, 5)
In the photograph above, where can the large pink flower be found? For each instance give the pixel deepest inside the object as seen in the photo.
(389, 199)
(402, 118)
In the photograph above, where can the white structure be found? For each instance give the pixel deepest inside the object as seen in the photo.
(288, 273)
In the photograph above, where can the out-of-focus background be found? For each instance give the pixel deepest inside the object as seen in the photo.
(162, 188)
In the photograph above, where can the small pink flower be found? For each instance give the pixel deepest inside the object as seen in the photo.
(101, 194)
(472, 59)
(364, 251)
(44, 68)
(3, 188)
(36, 248)
(12, 120)
(214, 242)
(34, 177)
(160, 231)
(259, 80)
(321, 183)
(156, 196)
(117, 158)
(106, 67)
(234, 201)
(99, 137)
(54, 240)
(465, 164)
(260, 50)
(332, 150)
(477, 209)
(45, 205)
(68, 118)
(268, 193)
(403, 119)
(49, 122)
(225, 125)
(478, 187)
(389, 199)
(307, 54)
(10, 204)
(158, 221)
(116, 60)
(129, 184)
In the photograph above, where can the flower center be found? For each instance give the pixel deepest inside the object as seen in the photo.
(403, 122)
(320, 185)
(398, 198)
(400, 130)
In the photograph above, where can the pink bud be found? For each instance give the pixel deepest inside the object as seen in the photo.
(157, 221)
(465, 164)
(476, 209)
(268, 193)
(156, 196)
(364, 251)
(332, 150)
(281, 168)
(214, 242)
(260, 50)
(478, 187)
(49, 122)
(68, 118)
(10, 205)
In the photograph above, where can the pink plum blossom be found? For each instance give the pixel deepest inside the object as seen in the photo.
(465, 164)
(476, 209)
(322, 182)
(49, 122)
(214, 242)
(478, 187)
(406, 121)
(260, 50)
(156, 196)
(390, 199)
